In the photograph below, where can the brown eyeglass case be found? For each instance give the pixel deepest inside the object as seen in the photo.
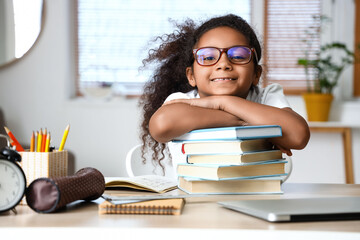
(46, 195)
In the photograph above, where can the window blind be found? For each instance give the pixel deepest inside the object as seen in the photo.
(113, 35)
(285, 25)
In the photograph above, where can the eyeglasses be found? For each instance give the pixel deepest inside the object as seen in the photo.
(209, 56)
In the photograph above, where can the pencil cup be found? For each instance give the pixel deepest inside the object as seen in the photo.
(44, 164)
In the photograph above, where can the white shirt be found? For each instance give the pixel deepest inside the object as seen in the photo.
(271, 95)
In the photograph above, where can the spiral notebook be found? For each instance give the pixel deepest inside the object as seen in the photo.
(169, 206)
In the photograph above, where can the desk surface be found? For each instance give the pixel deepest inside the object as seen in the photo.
(198, 213)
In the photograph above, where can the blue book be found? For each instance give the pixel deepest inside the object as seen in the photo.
(240, 171)
(232, 133)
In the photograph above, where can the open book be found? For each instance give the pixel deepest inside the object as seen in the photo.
(152, 183)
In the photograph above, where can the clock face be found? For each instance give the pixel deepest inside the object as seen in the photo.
(12, 185)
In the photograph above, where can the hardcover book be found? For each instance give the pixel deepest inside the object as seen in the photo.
(226, 146)
(238, 132)
(219, 172)
(235, 158)
(239, 186)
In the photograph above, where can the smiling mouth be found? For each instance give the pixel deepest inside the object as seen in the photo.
(222, 79)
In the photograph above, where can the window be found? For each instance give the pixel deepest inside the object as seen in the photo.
(113, 35)
(285, 24)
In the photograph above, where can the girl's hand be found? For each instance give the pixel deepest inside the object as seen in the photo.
(205, 102)
(284, 150)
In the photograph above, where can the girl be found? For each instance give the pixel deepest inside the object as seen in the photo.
(208, 77)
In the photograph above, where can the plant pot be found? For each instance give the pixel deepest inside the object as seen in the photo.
(318, 106)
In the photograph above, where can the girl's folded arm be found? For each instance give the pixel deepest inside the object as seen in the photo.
(173, 120)
(295, 129)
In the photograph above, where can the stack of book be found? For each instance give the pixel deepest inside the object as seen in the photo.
(231, 160)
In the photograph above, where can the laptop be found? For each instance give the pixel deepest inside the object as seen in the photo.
(299, 210)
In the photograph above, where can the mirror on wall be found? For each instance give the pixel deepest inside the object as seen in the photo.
(20, 26)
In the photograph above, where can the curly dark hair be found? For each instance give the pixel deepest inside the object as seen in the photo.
(173, 56)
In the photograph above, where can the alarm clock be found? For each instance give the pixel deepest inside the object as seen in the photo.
(12, 179)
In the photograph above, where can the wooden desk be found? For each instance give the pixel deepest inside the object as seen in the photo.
(202, 217)
(345, 131)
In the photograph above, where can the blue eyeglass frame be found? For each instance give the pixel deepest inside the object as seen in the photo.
(225, 50)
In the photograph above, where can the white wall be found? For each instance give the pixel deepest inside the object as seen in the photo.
(37, 92)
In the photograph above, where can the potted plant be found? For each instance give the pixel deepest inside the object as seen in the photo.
(323, 68)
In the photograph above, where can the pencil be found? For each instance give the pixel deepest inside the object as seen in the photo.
(43, 142)
(66, 132)
(14, 141)
(36, 140)
(47, 145)
(32, 142)
(39, 141)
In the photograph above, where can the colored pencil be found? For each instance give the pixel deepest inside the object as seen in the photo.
(66, 132)
(36, 140)
(39, 141)
(47, 145)
(32, 142)
(14, 141)
(43, 142)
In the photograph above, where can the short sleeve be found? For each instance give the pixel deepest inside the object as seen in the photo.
(274, 96)
(181, 95)
(271, 95)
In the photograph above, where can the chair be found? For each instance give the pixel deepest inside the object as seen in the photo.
(135, 166)
(288, 167)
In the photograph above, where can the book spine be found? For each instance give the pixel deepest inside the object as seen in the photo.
(123, 209)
